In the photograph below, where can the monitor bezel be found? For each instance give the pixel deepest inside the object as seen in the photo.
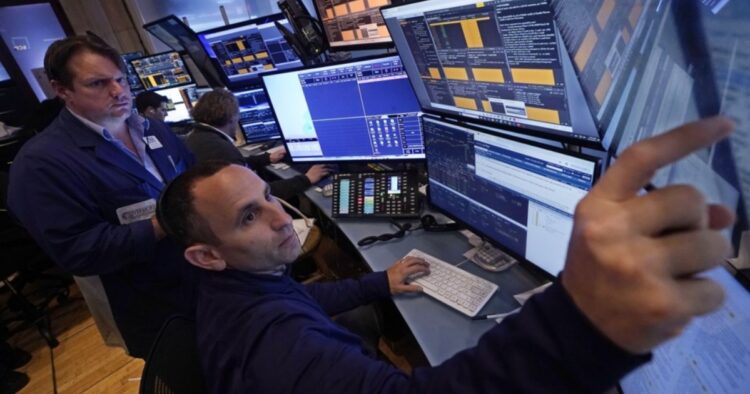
(214, 61)
(352, 47)
(256, 86)
(187, 70)
(361, 59)
(210, 72)
(516, 129)
(521, 259)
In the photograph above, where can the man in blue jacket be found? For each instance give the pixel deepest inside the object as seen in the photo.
(629, 284)
(86, 189)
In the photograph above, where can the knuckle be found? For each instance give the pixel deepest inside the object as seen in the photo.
(639, 153)
(690, 196)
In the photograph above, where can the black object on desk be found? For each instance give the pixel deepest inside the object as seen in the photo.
(375, 194)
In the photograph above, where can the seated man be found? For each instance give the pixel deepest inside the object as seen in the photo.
(260, 331)
(152, 105)
(216, 118)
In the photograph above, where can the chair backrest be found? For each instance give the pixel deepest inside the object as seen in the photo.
(173, 365)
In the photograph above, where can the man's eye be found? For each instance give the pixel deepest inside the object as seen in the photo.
(249, 217)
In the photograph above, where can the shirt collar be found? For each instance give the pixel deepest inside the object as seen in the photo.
(212, 128)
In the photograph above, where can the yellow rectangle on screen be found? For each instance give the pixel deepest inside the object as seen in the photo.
(465, 102)
(543, 115)
(457, 73)
(486, 106)
(434, 73)
(605, 12)
(603, 87)
(533, 76)
(494, 75)
(587, 46)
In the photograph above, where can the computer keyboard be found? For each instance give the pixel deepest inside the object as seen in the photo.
(461, 290)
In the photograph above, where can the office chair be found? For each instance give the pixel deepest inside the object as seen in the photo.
(173, 364)
(23, 264)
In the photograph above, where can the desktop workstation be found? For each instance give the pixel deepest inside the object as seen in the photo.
(574, 103)
(489, 106)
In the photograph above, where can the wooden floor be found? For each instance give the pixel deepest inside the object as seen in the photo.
(83, 363)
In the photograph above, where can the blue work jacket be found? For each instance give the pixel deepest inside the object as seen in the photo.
(66, 187)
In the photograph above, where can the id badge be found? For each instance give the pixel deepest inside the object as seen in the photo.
(136, 212)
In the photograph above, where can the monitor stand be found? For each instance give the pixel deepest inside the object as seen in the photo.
(490, 258)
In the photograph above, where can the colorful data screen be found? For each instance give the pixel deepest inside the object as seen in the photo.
(245, 50)
(354, 23)
(497, 62)
(164, 70)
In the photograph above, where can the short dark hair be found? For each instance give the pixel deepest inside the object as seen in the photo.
(149, 99)
(61, 51)
(216, 108)
(175, 211)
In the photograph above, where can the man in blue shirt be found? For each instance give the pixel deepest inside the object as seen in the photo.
(86, 190)
(629, 284)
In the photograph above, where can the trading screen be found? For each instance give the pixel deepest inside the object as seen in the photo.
(355, 22)
(256, 117)
(376, 116)
(133, 79)
(246, 50)
(164, 70)
(496, 61)
(520, 196)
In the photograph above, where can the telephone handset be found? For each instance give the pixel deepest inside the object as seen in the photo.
(375, 194)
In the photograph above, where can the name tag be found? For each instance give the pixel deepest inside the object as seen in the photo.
(136, 212)
(152, 142)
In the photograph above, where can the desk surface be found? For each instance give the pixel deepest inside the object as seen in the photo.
(440, 330)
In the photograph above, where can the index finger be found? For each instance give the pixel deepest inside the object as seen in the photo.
(637, 164)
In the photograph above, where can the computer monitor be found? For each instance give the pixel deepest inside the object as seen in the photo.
(355, 24)
(133, 80)
(180, 37)
(163, 70)
(649, 66)
(709, 356)
(363, 110)
(518, 195)
(256, 117)
(177, 104)
(193, 94)
(495, 62)
(245, 50)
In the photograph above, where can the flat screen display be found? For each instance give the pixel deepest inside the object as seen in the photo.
(243, 51)
(164, 70)
(364, 110)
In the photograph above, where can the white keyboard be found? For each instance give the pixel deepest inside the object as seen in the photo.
(461, 290)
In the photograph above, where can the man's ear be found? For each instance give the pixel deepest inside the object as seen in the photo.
(206, 257)
(59, 89)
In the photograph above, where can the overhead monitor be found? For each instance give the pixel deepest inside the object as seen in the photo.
(518, 195)
(355, 24)
(193, 94)
(243, 51)
(180, 37)
(177, 104)
(649, 66)
(133, 79)
(256, 117)
(497, 62)
(357, 111)
(163, 70)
